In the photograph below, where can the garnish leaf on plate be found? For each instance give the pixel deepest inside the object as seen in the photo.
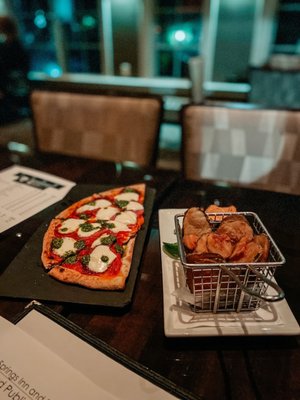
(171, 250)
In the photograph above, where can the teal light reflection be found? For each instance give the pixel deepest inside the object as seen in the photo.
(53, 70)
(178, 35)
(40, 19)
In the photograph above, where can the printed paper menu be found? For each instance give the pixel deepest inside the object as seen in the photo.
(25, 192)
(41, 360)
(29, 370)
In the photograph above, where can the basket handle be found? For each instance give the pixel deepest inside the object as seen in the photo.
(280, 293)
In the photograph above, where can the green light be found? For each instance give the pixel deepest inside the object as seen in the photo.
(88, 21)
(178, 36)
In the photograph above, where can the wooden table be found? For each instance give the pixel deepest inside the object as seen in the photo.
(248, 368)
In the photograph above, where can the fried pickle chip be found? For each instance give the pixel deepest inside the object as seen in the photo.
(195, 224)
(252, 253)
(204, 258)
(236, 226)
(263, 240)
(217, 209)
(220, 244)
(201, 245)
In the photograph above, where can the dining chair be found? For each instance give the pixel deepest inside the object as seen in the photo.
(257, 148)
(100, 126)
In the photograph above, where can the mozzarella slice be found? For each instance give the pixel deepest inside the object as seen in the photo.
(127, 196)
(134, 206)
(119, 227)
(70, 225)
(107, 213)
(126, 217)
(97, 242)
(101, 258)
(67, 246)
(82, 232)
(100, 203)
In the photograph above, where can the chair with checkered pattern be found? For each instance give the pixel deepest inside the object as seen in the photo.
(252, 147)
(110, 127)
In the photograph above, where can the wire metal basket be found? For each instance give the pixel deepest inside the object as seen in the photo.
(232, 287)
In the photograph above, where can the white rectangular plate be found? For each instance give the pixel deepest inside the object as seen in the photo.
(180, 320)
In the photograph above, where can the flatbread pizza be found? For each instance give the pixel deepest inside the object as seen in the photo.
(91, 242)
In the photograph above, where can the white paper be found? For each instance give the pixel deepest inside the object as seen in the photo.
(25, 192)
(29, 370)
(103, 371)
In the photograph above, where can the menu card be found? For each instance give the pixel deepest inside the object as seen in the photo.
(30, 370)
(40, 359)
(25, 192)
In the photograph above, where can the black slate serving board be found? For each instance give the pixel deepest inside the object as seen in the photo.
(26, 278)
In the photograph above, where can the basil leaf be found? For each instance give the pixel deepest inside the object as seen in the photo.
(86, 227)
(71, 259)
(121, 203)
(108, 240)
(56, 243)
(85, 259)
(80, 244)
(171, 250)
(119, 249)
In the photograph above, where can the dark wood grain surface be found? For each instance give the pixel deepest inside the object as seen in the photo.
(214, 368)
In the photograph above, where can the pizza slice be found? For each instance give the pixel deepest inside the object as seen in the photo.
(91, 242)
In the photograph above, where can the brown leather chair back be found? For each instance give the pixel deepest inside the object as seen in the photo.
(256, 148)
(106, 127)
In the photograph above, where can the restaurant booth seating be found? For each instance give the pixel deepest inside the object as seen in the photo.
(252, 147)
(117, 128)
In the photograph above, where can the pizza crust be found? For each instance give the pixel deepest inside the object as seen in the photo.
(90, 281)
(48, 261)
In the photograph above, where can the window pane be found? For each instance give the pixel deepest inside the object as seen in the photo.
(60, 35)
(36, 32)
(288, 28)
(178, 36)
